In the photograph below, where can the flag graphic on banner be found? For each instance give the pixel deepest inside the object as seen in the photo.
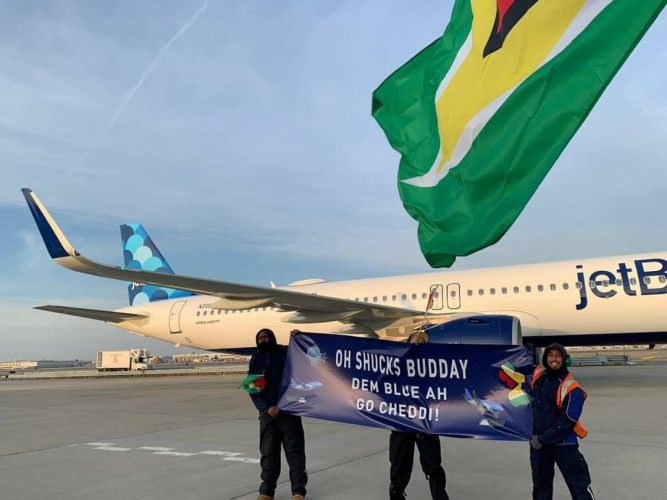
(481, 114)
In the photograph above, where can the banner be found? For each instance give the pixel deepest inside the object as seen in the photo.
(456, 390)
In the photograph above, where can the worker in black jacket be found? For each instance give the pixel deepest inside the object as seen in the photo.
(402, 450)
(276, 428)
(558, 401)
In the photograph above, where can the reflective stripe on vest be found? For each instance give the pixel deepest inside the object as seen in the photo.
(566, 386)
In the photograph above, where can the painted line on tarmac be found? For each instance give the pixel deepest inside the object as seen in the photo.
(228, 456)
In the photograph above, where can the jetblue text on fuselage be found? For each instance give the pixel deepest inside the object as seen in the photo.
(641, 277)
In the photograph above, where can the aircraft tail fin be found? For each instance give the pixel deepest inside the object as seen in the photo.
(140, 253)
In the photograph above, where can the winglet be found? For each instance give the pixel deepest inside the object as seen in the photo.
(54, 239)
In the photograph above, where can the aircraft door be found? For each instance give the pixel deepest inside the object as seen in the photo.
(436, 294)
(175, 317)
(453, 296)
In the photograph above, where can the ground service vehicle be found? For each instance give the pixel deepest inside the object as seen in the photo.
(134, 359)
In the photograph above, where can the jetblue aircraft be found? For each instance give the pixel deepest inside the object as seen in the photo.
(601, 301)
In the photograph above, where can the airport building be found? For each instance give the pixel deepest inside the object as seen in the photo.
(209, 358)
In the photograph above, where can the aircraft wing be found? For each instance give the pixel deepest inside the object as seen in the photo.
(98, 314)
(62, 251)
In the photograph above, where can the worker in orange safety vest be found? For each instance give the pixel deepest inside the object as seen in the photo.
(557, 401)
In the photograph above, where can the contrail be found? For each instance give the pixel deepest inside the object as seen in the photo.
(147, 72)
(151, 67)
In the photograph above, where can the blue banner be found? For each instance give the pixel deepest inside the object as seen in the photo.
(457, 390)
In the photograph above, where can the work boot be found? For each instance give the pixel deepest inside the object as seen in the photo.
(262, 496)
(394, 494)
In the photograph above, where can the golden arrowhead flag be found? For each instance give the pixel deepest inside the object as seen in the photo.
(481, 115)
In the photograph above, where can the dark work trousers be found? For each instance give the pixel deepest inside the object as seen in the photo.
(401, 455)
(572, 465)
(285, 430)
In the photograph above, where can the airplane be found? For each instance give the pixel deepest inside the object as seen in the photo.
(597, 301)
(305, 386)
(489, 410)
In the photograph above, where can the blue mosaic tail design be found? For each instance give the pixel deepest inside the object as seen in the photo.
(139, 252)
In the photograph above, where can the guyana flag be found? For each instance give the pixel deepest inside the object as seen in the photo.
(514, 380)
(253, 384)
(481, 114)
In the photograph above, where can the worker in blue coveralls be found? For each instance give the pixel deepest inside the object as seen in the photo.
(557, 405)
(402, 451)
(276, 428)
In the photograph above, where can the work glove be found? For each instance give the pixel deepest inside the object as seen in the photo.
(535, 442)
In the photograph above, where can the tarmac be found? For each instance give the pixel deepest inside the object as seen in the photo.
(176, 437)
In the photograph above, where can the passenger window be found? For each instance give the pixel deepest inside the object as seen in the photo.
(205, 312)
(452, 293)
(540, 288)
(492, 291)
(469, 292)
(414, 296)
(503, 290)
(424, 295)
(404, 297)
(480, 291)
(633, 281)
(375, 299)
(647, 280)
(516, 289)
(592, 284)
(393, 297)
(661, 279)
(577, 285)
(436, 295)
(528, 289)
(198, 313)
(384, 298)
(566, 286)
(619, 282)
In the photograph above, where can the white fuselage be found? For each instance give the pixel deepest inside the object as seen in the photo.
(615, 295)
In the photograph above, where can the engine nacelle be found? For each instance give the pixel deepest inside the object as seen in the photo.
(482, 329)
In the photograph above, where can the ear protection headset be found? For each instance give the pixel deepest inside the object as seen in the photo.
(568, 360)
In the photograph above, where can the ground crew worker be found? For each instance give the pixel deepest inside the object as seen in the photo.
(557, 405)
(402, 450)
(276, 428)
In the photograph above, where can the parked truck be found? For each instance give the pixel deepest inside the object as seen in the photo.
(134, 359)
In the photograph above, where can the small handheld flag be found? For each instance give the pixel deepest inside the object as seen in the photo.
(253, 384)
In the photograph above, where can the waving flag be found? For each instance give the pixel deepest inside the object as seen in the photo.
(481, 114)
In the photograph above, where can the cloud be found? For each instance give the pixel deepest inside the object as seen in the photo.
(244, 143)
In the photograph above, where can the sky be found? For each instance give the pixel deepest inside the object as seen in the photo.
(239, 134)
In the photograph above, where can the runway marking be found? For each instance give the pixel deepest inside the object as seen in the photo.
(228, 456)
(242, 459)
(174, 453)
